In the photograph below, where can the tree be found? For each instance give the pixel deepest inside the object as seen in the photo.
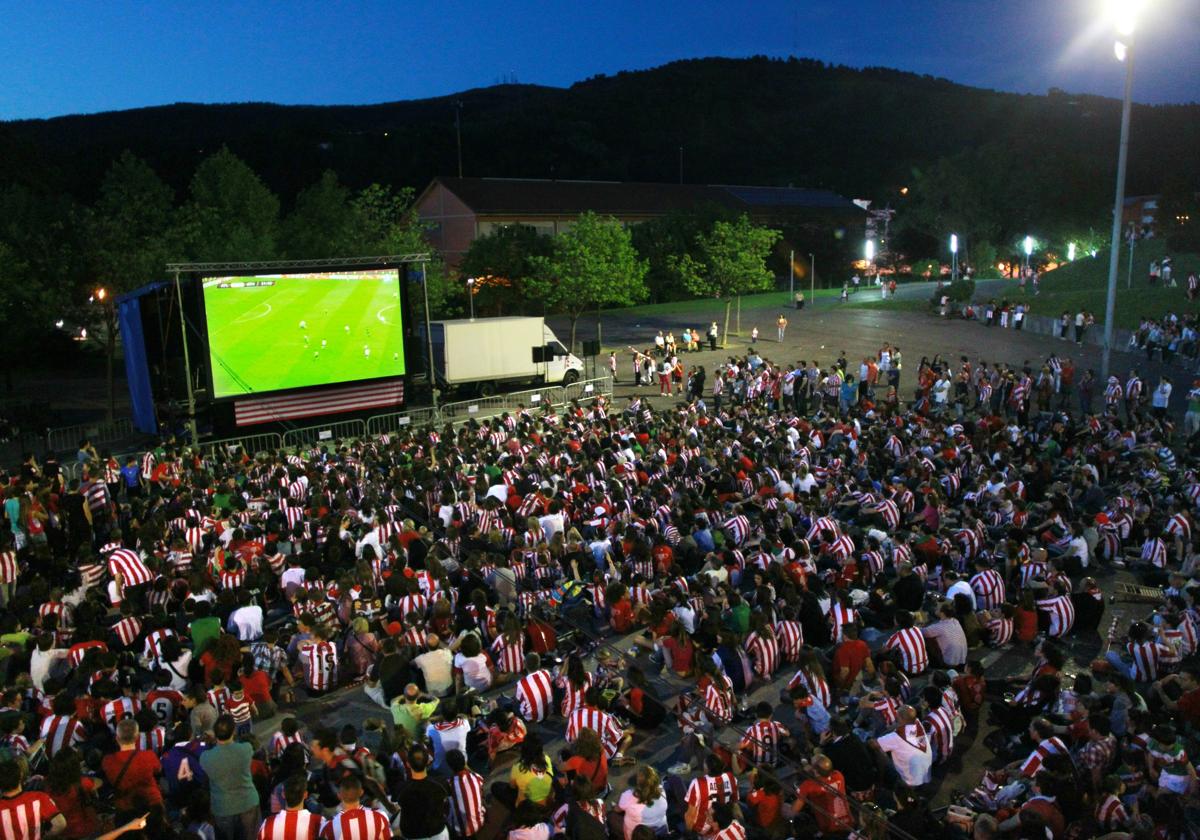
(232, 216)
(731, 261)
(659, 239)
(385, 223)
(128, 238)
(592, 264)
(322, 224)
(502, 262)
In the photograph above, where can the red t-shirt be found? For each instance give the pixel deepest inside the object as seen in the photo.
(27, 812)
(850, 654)
(257, 686)
(621, 616)
(828, 796)
(1189, 706)
(76, 805)
(138, 787)
(682, 654)
(595, 772)
(1025, 624)
(766, 807)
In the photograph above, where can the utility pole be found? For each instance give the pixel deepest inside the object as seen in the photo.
(791, 276)
(1110, 303)
(812, 280)
(187, 366)
(681, 164)
(458, 135)
(1129, 273)
(433, 390)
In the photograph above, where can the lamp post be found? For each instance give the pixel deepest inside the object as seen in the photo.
(1070, 252)
(953, 257)
(1028, 245)
(102, 297)
(1126, 23)
(471, 295)
(869, 253)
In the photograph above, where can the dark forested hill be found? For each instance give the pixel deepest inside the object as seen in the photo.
(759, 120)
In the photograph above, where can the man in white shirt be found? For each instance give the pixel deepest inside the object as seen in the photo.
(448, 734)
(908, 748)
(552, 522)
(958, 587)
(436, 666)
(246, 622)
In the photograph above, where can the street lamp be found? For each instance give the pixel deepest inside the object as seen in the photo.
(1028, 249)
(953, 257)
(471, 295)
(1070, 252)
(1125, 17)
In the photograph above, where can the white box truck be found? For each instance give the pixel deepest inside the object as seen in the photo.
(489, 353)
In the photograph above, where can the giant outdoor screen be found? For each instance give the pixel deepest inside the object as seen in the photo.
(274, 332)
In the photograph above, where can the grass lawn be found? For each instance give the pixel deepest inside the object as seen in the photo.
(1083, 284)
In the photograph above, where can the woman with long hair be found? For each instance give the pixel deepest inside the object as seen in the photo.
(574, 682)
(812, 676)
(644, 802)
(588, 760)
(73, 793)
(508, 651)
(531, 780)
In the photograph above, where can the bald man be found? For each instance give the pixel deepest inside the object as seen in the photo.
(826, 790)
(437, 667)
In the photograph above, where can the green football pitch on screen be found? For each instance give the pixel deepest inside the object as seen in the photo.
(271, 333)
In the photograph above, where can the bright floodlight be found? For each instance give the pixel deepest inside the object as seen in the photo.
(1028, 245)
(954, 243)
(1125, 14)
(870, 251)
(1071, 252)
(1120, 50)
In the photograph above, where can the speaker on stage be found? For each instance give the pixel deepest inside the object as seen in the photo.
(591, 347)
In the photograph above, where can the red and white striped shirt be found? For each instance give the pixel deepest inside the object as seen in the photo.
(509, 656)
(572, 695)
(764, 650)
(9, 568)
(762, 739)
(817, 686)
(280, 742)
(534, 694)
(357, 824)
(914, 658)
(1154, 552)
(733, 831)
(940, 725)
(22, 816)
(320, 661)
(130, 566)
(1001, 630)
(1111, 814)
(301, 824)
(1062, 614)
(718, 700)
(467, 809)
(839, 616)
(1048, 747)
(115, 711)
(127, 629)
(989, 589)
(707, 791)
(602, 723)
(60, 731)
(790, 637)
(1147, 659)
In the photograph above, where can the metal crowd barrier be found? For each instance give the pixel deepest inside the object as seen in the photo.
(323, 434)
(66, 438)
(454, 412)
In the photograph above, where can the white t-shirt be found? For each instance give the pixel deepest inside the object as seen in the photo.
(961, 587)
(653, 815)
(475, 671)
(911, 762)
(446, 738)
(247, 623)
(435, 666)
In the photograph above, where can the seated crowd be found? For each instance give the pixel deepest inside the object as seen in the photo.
(800, 585)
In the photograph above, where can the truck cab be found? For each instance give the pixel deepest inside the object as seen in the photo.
(561, 365)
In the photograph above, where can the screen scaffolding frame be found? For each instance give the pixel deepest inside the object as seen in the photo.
(177, 270)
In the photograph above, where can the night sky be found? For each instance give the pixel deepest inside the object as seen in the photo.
(61, 57)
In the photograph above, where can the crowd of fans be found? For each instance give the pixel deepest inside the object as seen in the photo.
(798, 575)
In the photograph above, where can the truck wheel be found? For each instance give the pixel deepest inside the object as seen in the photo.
(570, 377)
(487, 389)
